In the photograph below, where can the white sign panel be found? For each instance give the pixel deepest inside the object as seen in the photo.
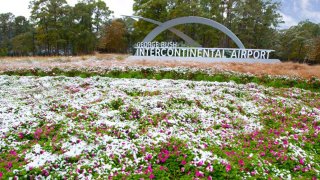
(171, 49)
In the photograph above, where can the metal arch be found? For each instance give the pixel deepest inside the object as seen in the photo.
(192, 19)
(185, 37)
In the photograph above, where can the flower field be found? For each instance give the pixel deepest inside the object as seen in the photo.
(100, 127)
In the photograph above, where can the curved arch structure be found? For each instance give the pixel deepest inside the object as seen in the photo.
(189, 20)
(185, 37)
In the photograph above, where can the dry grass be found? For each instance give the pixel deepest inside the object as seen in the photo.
(259, 69)
(107, 60)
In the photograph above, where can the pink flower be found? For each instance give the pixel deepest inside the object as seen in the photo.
(21, 135)
(38, 133)
(228, 168)
(199, 174)
(301, 161)
(151, 176)
(13, 152)
(163, 156)
(241, 162)
(226, 126)
(1, 174)
(262, 154)
(148, 157)
(253, 173)
(45, 173)
(9, 165)
(209, 168)
(296, 168)
(200, 163)
(209, 178)
(149, 170)
(80, 171)
(162, 168)
(183, 162)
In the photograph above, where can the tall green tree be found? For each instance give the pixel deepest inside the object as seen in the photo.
(101, 14)
(62, 28)
(47, 15)
(298, 42)
(88, 17)
(21, 25)
(83, 36)
(23, 40)
(22, 44)
(6, 32)
(255, 22)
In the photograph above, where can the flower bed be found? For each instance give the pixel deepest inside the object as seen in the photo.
(158, 73)
(98, 127)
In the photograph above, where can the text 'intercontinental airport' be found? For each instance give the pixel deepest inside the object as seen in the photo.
(171, 49)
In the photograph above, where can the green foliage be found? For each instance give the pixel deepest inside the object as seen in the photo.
(300, 42)
(3, 51)
(313, 47)
(183, 101)
(22, 44)
(311, 84)
(254, 21)
(56, 28)
(258, 19)
(116, 104)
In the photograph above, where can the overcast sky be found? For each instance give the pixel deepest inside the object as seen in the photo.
(292, 11)
(20, 7)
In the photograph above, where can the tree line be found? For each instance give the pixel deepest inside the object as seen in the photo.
(55, 28)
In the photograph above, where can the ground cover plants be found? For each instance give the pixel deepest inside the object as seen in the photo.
(158, 73)
(124, 128)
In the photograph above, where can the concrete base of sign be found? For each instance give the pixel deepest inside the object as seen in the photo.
(207, 60)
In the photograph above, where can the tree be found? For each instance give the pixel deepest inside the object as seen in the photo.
(47, 16)
(88, 16)
(22, 44)
(21, 25)
(299, 42)
(254, 21)
(61, 28)
(83, 39)
(155, 9)
(313, 54)
(115, 39)
(6, 32)
(101, 14)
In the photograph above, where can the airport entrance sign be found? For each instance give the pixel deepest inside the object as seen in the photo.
(149, 49)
